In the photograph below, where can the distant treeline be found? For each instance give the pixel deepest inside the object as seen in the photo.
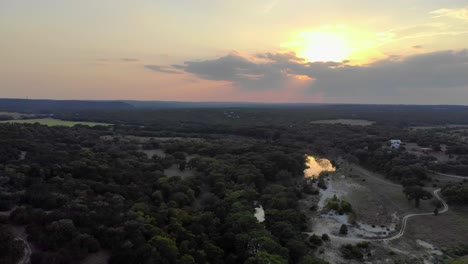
(401, 116)
(55, 106)
(144, 112)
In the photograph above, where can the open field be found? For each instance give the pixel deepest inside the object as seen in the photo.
(54, 122)
(378, 199)
(441, 126)
(415, 149)
(148, 139)
(15, 115)
(100, 257)
(352, 122)
(446, 230)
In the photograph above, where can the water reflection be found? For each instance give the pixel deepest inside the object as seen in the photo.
(316, 166)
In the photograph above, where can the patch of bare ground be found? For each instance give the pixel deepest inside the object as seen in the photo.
(153, 152)
(419, 151)
(378, 201)
(15, 115)
(440, 126)
(100, 257)
(175, 171)
(138, 139)
(380, 205)
(447, 230)
(352, 122)
(440, 180)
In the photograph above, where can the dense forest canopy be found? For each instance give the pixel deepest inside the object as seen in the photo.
(81, 190)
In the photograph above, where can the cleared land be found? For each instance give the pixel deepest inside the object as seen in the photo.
(54, 122)
(419, 151)
(352, 122)
(441, 126)
(15, 115)
(376, 201)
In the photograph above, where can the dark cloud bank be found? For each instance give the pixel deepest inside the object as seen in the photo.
(443, 73)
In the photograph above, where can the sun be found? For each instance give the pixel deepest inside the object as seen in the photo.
(336, 43)
(322, 46)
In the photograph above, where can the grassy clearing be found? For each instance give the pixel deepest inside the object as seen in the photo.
(15, 115)
(53, 122)
(378, 199)
(440, 126)
(352, 122)
(415, 149)
(447, 230)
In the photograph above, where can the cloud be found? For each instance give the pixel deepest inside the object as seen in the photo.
(129, 59)
(417, 47)
(242, 72)
(435, 72)
(161, 69)
(456, 13)
(270, 6)
(412, 75)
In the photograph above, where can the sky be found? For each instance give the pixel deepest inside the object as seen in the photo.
(334, 51)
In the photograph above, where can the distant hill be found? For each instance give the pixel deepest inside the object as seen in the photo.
(177, 104)
(53, 106)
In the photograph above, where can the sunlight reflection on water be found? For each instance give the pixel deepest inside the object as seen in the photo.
(316, 166)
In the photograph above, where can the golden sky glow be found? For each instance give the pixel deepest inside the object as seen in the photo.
(322, 46)
(92, 49)
(337, 43)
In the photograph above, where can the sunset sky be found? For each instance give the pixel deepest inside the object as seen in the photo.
(335, 51)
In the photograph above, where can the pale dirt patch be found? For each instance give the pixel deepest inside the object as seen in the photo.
(100, 257)
(419, 151)
(352, 122)
(16, 115)
(174, 171)
(380, 205)
(260, 214)
(153, 152)
(147, 139)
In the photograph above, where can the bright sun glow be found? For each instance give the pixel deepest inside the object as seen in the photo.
(323, 46)
(335, 43)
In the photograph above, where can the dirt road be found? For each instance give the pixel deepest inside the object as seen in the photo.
(450, 175)
(405, 219)
(26, 258)
(403, 225)
(27, 252)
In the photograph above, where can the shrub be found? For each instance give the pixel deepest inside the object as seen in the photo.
(351, 252)
(343, 229)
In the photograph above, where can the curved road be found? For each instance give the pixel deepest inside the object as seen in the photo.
(27, 252)
(26, 258)
(449, 175)
(403, 225)
(405, 219)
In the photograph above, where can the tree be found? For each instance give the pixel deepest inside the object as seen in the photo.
(315, 241)
(416, 193)
(325, 237)
(10, 249)
(351, 252)
(166, 247)
(321, 183)
(312, 260)
(343, 229)
(266, 258)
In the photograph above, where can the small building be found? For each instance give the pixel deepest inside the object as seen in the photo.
(395, 143)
